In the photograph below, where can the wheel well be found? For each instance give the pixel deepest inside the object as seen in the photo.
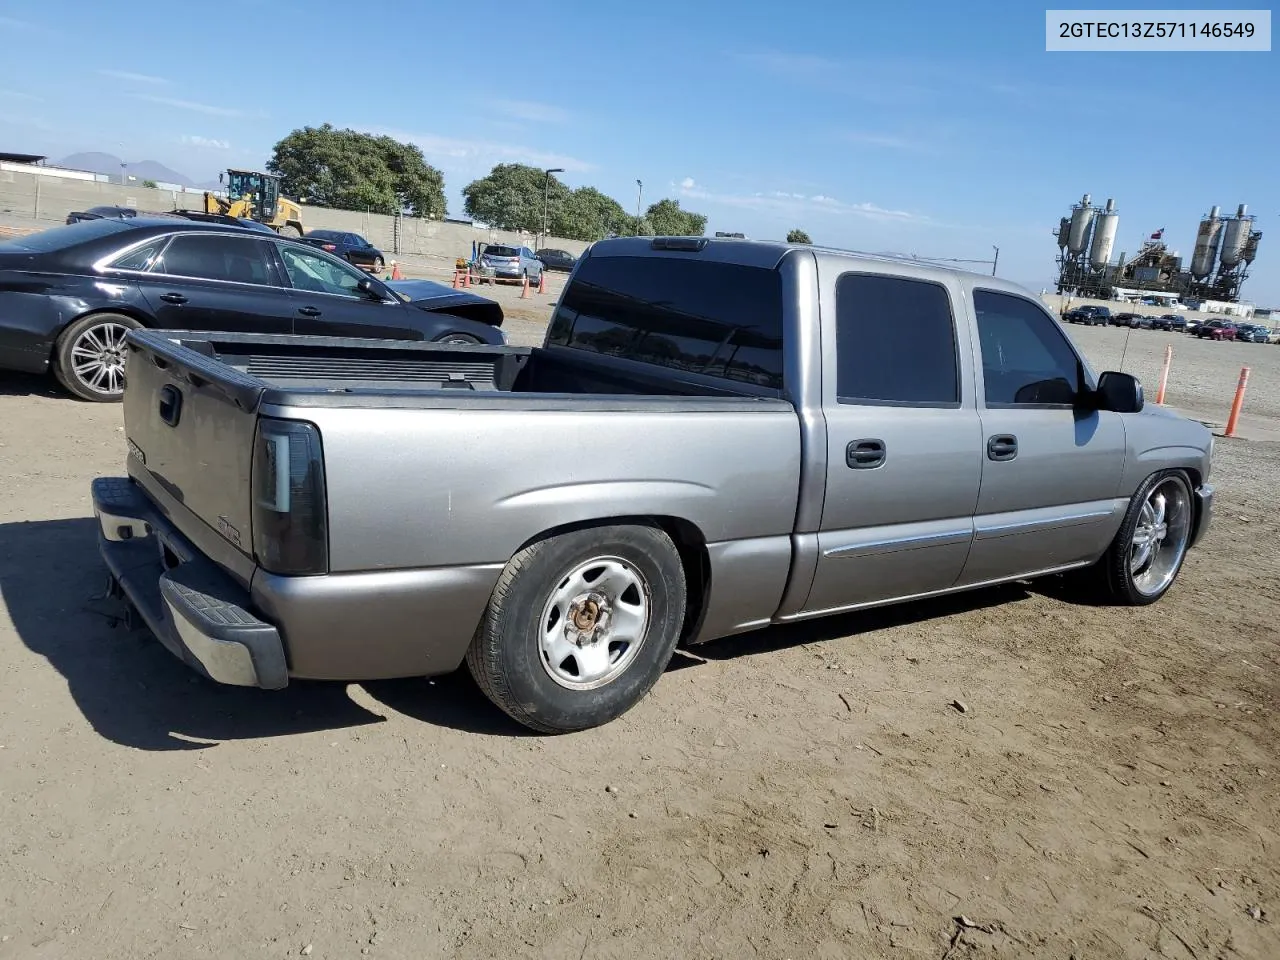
(122, 311)
(690, 544)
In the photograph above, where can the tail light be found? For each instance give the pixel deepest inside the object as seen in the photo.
(329, 246)
(290, 516)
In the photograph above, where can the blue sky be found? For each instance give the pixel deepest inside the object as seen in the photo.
(939, 129)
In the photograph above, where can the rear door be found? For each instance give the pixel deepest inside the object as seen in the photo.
(1050, 470)
(215, 281)
(326, 297)
(903, 439)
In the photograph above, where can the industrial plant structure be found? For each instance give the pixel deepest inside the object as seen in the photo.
(1225, 249)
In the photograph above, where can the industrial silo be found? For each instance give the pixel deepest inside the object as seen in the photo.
(1104, 236)
(1081, 221)
(1206, 251)
(1064, 232)
(1234, 236)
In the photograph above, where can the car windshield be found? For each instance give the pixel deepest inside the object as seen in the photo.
(501, 252)
(60, 238)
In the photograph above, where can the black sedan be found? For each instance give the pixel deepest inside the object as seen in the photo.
(70, 294)
(557, 259)
(351, 247)
(98, 213)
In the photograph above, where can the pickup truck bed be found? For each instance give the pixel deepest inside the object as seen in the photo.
(715, 435)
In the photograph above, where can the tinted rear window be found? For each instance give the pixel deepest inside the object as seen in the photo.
(61, 238)
(717, 319)
(501, 252)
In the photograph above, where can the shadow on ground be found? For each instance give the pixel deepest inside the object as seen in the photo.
(135, 693)
(32, 385)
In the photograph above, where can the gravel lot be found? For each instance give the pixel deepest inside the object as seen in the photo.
(1110, 790)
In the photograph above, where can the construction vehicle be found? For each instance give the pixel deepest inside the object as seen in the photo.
(256, 196)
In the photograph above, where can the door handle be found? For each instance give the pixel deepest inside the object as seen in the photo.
(173, 298)
(864, 454)
(1003, 446)
(309, 311)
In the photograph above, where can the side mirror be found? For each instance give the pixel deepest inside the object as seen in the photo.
(366, 286)
(1119, 393)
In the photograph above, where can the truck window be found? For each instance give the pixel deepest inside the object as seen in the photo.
(895, 342)
(698, 316)
(1026, 359)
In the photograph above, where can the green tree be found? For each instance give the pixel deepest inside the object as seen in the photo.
(587, 214)
(150, 183)
(668, 220)
(798, 236)
(349, 170)
(511, 197)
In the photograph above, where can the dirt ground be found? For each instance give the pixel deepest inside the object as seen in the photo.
(1110, 789)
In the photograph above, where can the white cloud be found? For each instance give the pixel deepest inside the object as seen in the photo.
(211, 110)
(687, 183)
(206, 142)
(530, 110)
(797, 204)
(482, 154)
(132, 77)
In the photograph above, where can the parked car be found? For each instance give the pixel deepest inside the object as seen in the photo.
(349, 510)
(222, 218)
(1092, 315)
(1141, 321)
(1217, 330)
(1194, 324)
(1252, 332)
(98, 213)
(351, 247)
(511, 263)
(68, 295)
(556, 259)
(1169, 321)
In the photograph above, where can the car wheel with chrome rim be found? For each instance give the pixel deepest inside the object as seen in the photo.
(90, 356)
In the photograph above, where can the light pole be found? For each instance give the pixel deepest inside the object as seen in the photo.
(639, 194)
(996, 260)
(546, 199)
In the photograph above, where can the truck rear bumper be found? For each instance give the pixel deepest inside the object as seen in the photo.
(195, 610)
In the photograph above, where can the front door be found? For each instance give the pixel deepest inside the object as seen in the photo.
(903, 441)
(216, 281)
(1051, 470)
(327, 299)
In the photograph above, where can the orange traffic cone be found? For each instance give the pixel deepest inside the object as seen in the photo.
(542, 282)
(455, 279)
(466, 279)
(395, 271)
(524, 289)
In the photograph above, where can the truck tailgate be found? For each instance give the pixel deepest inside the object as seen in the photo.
(189, 423)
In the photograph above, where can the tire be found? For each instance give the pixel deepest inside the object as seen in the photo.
(378, 265)
(1113, 577)
(98, 337)
(458, 338)
(527, 625)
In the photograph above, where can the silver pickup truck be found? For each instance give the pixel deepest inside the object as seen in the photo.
(715, 436)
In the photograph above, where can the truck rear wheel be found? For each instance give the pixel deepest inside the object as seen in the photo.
(580, 626)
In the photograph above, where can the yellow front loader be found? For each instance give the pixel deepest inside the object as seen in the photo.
(256, 196)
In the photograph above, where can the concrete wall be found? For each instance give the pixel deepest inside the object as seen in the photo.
(50, 199)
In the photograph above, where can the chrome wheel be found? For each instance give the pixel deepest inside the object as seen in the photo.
(97, 357)
(594, 623)
(1160, 536)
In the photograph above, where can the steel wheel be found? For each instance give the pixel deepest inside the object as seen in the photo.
(594, 623)
(97, 357)
(1160, 536)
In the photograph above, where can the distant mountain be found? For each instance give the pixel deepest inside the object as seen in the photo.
(107, 163)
